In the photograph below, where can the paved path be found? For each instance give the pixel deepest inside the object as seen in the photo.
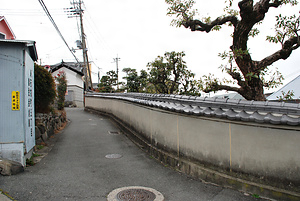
(76, 168)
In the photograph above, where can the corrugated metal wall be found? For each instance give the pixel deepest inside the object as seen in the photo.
(11, 79)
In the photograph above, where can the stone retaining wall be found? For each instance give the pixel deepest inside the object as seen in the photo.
(46, 124)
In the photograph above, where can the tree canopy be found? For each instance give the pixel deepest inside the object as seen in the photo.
(247, 73)
(169, 74)
(135, 82)
(107, 82)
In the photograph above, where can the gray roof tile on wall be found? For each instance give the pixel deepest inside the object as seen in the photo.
(278, 113)
(219, 112)
(256, 117)
(243, 116)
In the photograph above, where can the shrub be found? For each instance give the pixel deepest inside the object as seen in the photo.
(61, 89)
(44, 89)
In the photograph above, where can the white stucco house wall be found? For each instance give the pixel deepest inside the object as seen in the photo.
(75, 84)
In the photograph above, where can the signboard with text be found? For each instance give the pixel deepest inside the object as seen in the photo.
(15, 100)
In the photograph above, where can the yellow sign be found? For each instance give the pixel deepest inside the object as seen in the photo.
(15, 100)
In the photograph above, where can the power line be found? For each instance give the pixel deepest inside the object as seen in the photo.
(27, 12)
(55, 26)
(97, 34)
(93, 29)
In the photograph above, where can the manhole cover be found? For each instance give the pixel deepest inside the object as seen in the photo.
(114, 132)
(135, 193)
(111, 156)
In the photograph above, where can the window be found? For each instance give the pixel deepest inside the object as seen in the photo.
(2, 36)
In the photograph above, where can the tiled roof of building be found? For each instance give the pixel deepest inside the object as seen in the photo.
(278, 113)
(73, 66)
(230, 95)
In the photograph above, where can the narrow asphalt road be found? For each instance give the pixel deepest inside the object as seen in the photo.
(77, 168)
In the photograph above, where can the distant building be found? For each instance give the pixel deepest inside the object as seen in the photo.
(5, 30)
(75, 84)
(231, 96)
(292, 86)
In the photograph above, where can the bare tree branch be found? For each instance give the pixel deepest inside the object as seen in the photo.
(262, 7)
(217, 87)
(288, 46)
(197, 25)
(237, 76)
(275, 4)
(257, 12)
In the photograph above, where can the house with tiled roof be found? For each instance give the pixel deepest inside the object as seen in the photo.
(75, 85)
(291, 87)
(234, 95)
(5, 30)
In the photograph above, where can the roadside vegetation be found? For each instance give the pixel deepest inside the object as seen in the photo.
(44, 90)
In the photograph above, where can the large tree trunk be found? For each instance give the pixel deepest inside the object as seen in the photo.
(254, 90)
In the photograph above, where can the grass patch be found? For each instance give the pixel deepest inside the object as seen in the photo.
(35, 155)
(29, 161)
(39, 147)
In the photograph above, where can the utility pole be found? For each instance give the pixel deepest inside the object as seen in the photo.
(99, 77)
(99, 80)
(116, 60)
(77, 11)
(84, 51)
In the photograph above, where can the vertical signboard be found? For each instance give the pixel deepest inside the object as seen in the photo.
(29, 105)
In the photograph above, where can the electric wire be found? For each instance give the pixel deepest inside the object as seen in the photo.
(55, 26)
(93, 28)
(27, 12)
(98, 39)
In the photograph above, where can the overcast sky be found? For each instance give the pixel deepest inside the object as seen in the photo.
(137, 31)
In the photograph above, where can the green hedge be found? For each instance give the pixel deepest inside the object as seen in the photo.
(44, 89)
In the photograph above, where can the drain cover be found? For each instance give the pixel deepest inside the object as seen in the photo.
(135, 193)
(111, 156)
(114, 132)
